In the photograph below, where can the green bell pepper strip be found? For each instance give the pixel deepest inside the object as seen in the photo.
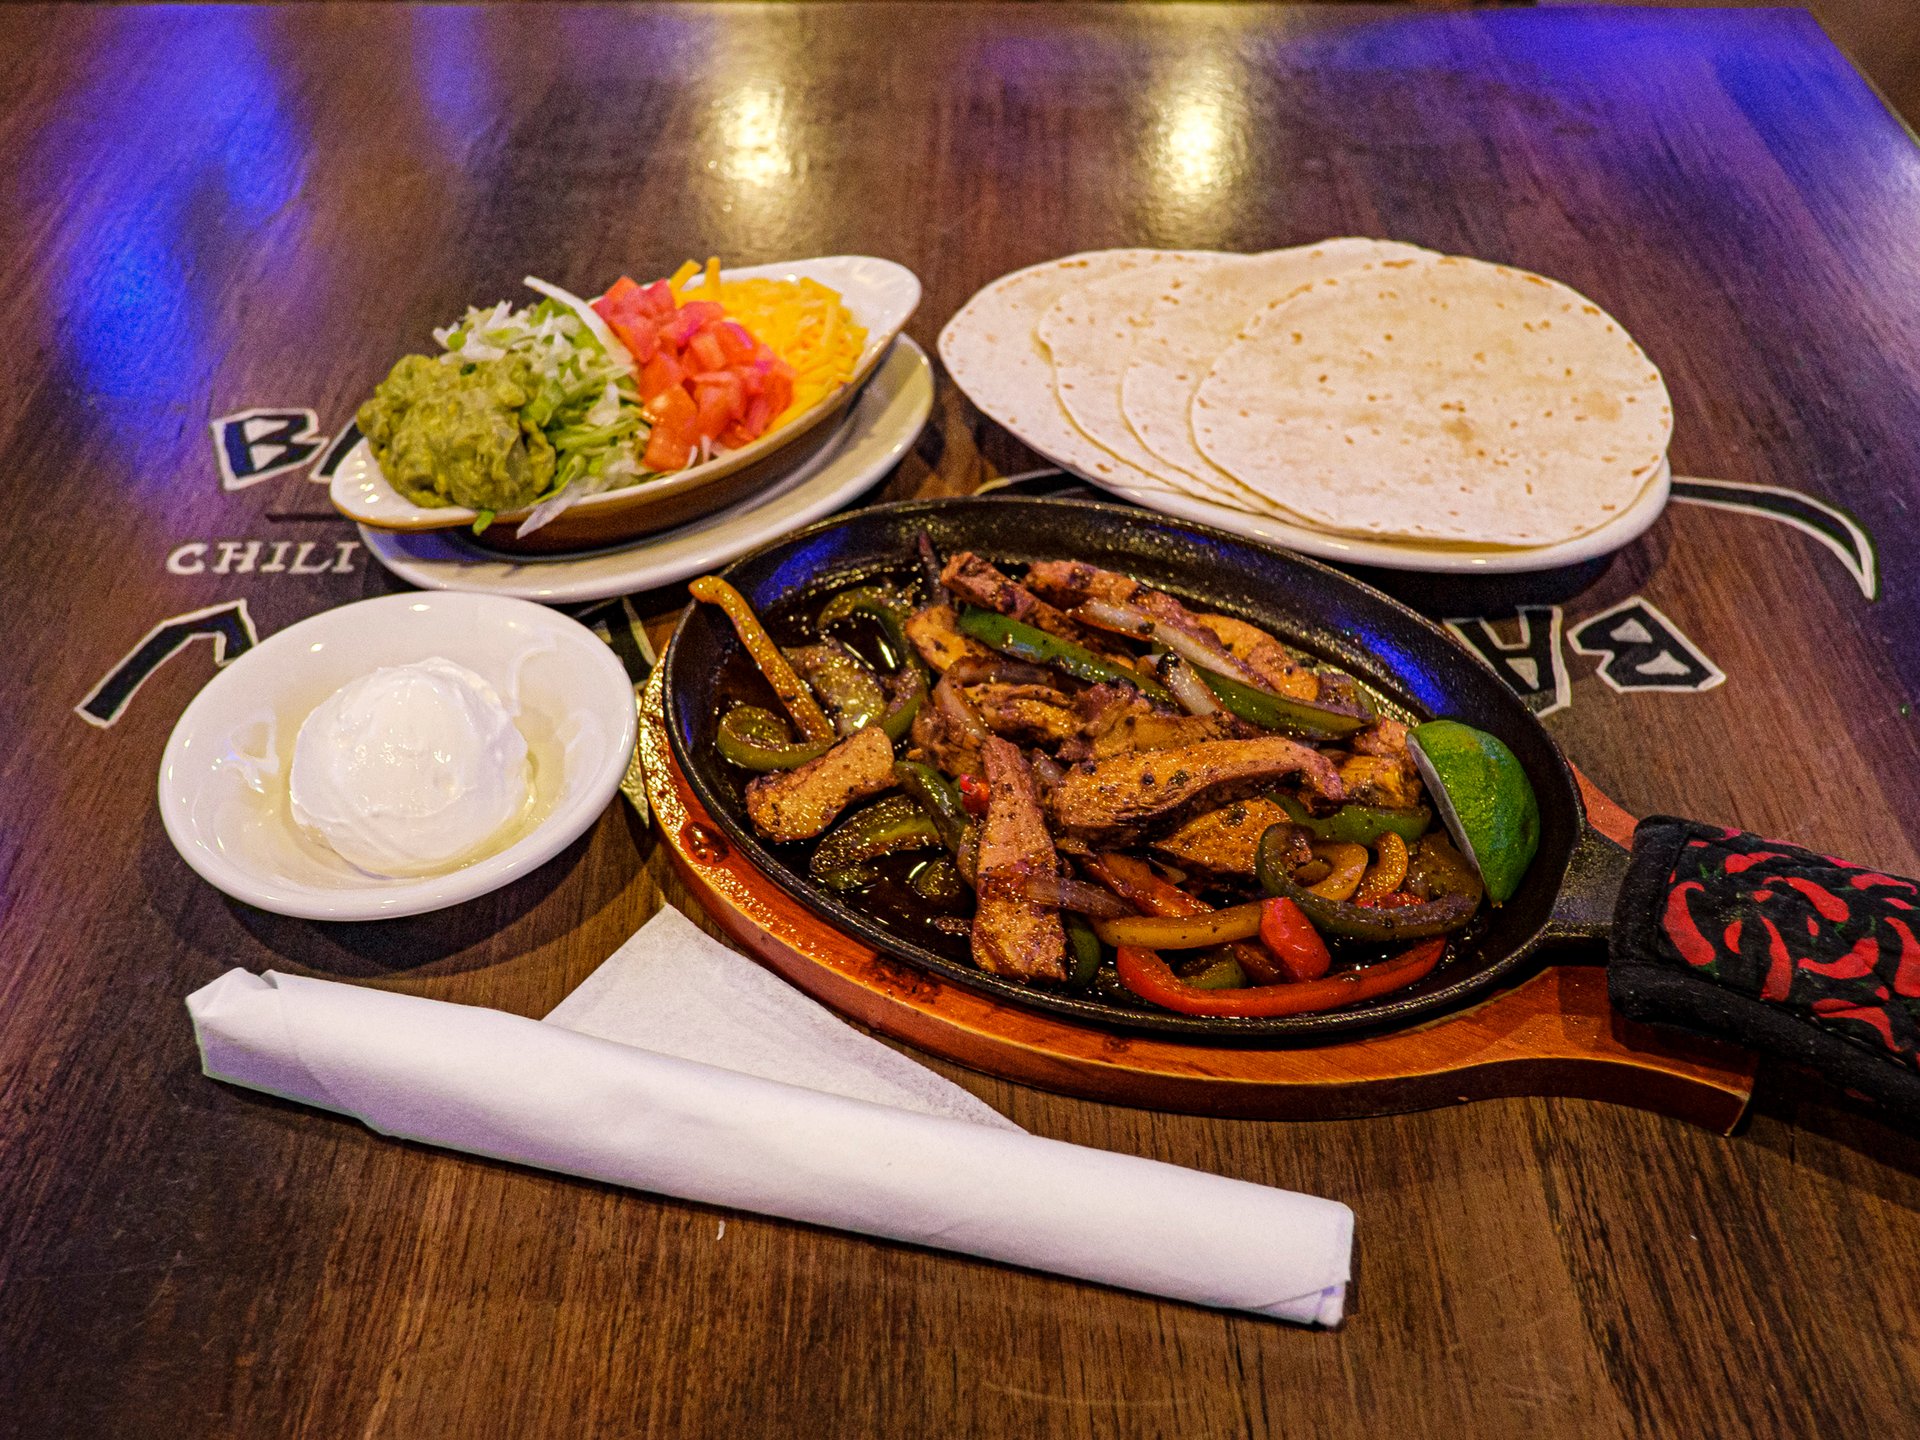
(1037, 647)
(1222, 972)
(881, 605)
(757, 739)
(938, 797)
(1358, 824)
(1277, 712)
(1083, 951)
(842, 680)
(1347, 921)
(888, 827)
(909, 694)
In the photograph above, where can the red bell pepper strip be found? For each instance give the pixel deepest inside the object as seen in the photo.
(1287, 932)
(1133, 880)
(974, 795)
(1148, 976)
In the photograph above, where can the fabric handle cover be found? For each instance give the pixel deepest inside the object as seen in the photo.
(1798, 955)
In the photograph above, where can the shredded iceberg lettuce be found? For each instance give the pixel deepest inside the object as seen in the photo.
(587, 405)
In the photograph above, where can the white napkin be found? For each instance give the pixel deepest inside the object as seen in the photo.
(675, 990)
(539, 1094)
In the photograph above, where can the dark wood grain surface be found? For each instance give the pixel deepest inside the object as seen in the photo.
(207, 211)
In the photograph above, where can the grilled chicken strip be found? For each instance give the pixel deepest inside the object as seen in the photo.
(1265, 656)
(1033, 713)
(1012, 934)
(1109, 799)
(1115, 719)
(798, 804)
(1382, 780)
(1074, 582)
(975, 580)
(1227, 841)
(935, 633)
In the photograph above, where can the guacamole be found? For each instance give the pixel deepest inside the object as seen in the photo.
(457, 433)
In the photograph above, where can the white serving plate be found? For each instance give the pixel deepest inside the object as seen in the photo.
(880, 295)
(877, 433)
(1628, 525)
(223, 779)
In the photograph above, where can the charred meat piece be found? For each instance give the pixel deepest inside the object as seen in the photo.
(1109, 799)
(1381, 780)
(1265, 656)
(950, 732)
(976, 581)
(1012, 934)
(1114, 720)
(936, 635)
(1034, 713)
(798, 804)
(1074, 582)
(1227, 841)
(1385, 736)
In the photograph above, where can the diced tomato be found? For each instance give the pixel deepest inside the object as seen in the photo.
(671, 443)
(719, 400)
(779, 388)
(702, 377)
(690, 319)
(759, 412)
(667, 450)
(629, 315)
(671, 407)
(640, 335)
(656, 300)
(663, 372)
(705, 353)
(735, 341)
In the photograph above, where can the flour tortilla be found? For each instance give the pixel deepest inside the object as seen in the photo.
(1089, 332)
(991, 350)
(1439, 399)
(1180, 330)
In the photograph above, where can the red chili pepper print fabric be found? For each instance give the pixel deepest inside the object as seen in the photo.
(1826, 940)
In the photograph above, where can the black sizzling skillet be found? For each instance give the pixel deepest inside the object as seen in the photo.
(1567, 896)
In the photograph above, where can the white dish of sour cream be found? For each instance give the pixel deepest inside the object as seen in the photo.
(397, 755)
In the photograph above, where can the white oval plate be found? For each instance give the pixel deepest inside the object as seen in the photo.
(880, 294)
(879, 429)
(1628, 525)
(223, 779)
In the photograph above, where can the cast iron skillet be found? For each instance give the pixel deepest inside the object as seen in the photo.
(1567, 894)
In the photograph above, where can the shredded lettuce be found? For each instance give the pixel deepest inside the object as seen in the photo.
(587, 405)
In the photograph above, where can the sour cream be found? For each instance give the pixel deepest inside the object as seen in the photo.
(411, 770)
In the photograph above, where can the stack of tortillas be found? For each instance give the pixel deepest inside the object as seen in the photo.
(1351, 388)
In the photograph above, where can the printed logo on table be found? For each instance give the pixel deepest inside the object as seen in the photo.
(1638, 645)
(228, 626)
(1533, 667)
(258, 444)
(1641, 649)
(1833, 527)
(336, 452)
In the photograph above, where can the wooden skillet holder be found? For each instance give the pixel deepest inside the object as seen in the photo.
(1553, 1033)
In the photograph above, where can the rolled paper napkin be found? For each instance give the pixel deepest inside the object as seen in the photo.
(537, 1093)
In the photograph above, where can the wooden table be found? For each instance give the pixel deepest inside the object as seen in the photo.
(208, 212)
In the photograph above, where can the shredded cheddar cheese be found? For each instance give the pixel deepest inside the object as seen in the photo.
(802, 321)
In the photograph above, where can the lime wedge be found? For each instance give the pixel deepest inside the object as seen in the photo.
(1485, 798)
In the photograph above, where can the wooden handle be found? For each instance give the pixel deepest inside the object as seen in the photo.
(1605, 816)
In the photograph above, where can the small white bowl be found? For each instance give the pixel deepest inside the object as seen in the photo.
(223, 780)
